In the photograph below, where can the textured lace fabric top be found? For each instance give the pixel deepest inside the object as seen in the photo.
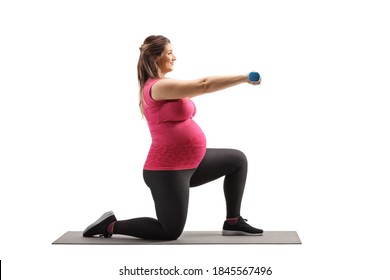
(177, 141)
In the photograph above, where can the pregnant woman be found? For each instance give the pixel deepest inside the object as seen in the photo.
(178, 158)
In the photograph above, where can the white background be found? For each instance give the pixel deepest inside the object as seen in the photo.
(316, 132)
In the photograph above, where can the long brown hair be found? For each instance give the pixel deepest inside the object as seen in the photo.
(152, 48)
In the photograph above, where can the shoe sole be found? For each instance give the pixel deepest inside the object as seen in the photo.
(98, 221)
(239, 233)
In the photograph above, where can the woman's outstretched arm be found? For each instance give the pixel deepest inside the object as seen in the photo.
(166, 89)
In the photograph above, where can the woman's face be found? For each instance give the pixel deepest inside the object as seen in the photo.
(166, 60)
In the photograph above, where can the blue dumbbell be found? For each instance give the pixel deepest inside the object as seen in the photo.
(254, 76)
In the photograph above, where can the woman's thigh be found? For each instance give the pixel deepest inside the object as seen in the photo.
(170, 191)
(217, 163)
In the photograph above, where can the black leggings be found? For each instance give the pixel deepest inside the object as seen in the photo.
(170, 191)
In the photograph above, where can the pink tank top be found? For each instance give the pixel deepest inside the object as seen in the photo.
(177, 141)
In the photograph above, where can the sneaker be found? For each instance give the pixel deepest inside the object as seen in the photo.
(100, 226)
(240, 228)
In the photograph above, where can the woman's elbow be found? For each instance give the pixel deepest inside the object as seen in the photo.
(204, 86)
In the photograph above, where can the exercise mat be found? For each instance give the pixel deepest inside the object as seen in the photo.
(187, 238)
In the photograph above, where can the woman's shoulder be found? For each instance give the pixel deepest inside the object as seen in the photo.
(147, 91)
(151, 81)
(149, 84)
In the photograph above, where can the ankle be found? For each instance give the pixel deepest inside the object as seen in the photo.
(232, 221)
(110, 228)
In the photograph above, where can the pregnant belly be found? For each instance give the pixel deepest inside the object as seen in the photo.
(181, 147)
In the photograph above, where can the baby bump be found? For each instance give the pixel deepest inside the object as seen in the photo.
(183, 147)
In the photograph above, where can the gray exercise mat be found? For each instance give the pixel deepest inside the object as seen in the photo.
(188, 237)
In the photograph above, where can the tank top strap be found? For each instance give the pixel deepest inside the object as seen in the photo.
(147, 92)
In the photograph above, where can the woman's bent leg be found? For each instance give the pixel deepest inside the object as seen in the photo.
(229, 163)
(170, 191)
